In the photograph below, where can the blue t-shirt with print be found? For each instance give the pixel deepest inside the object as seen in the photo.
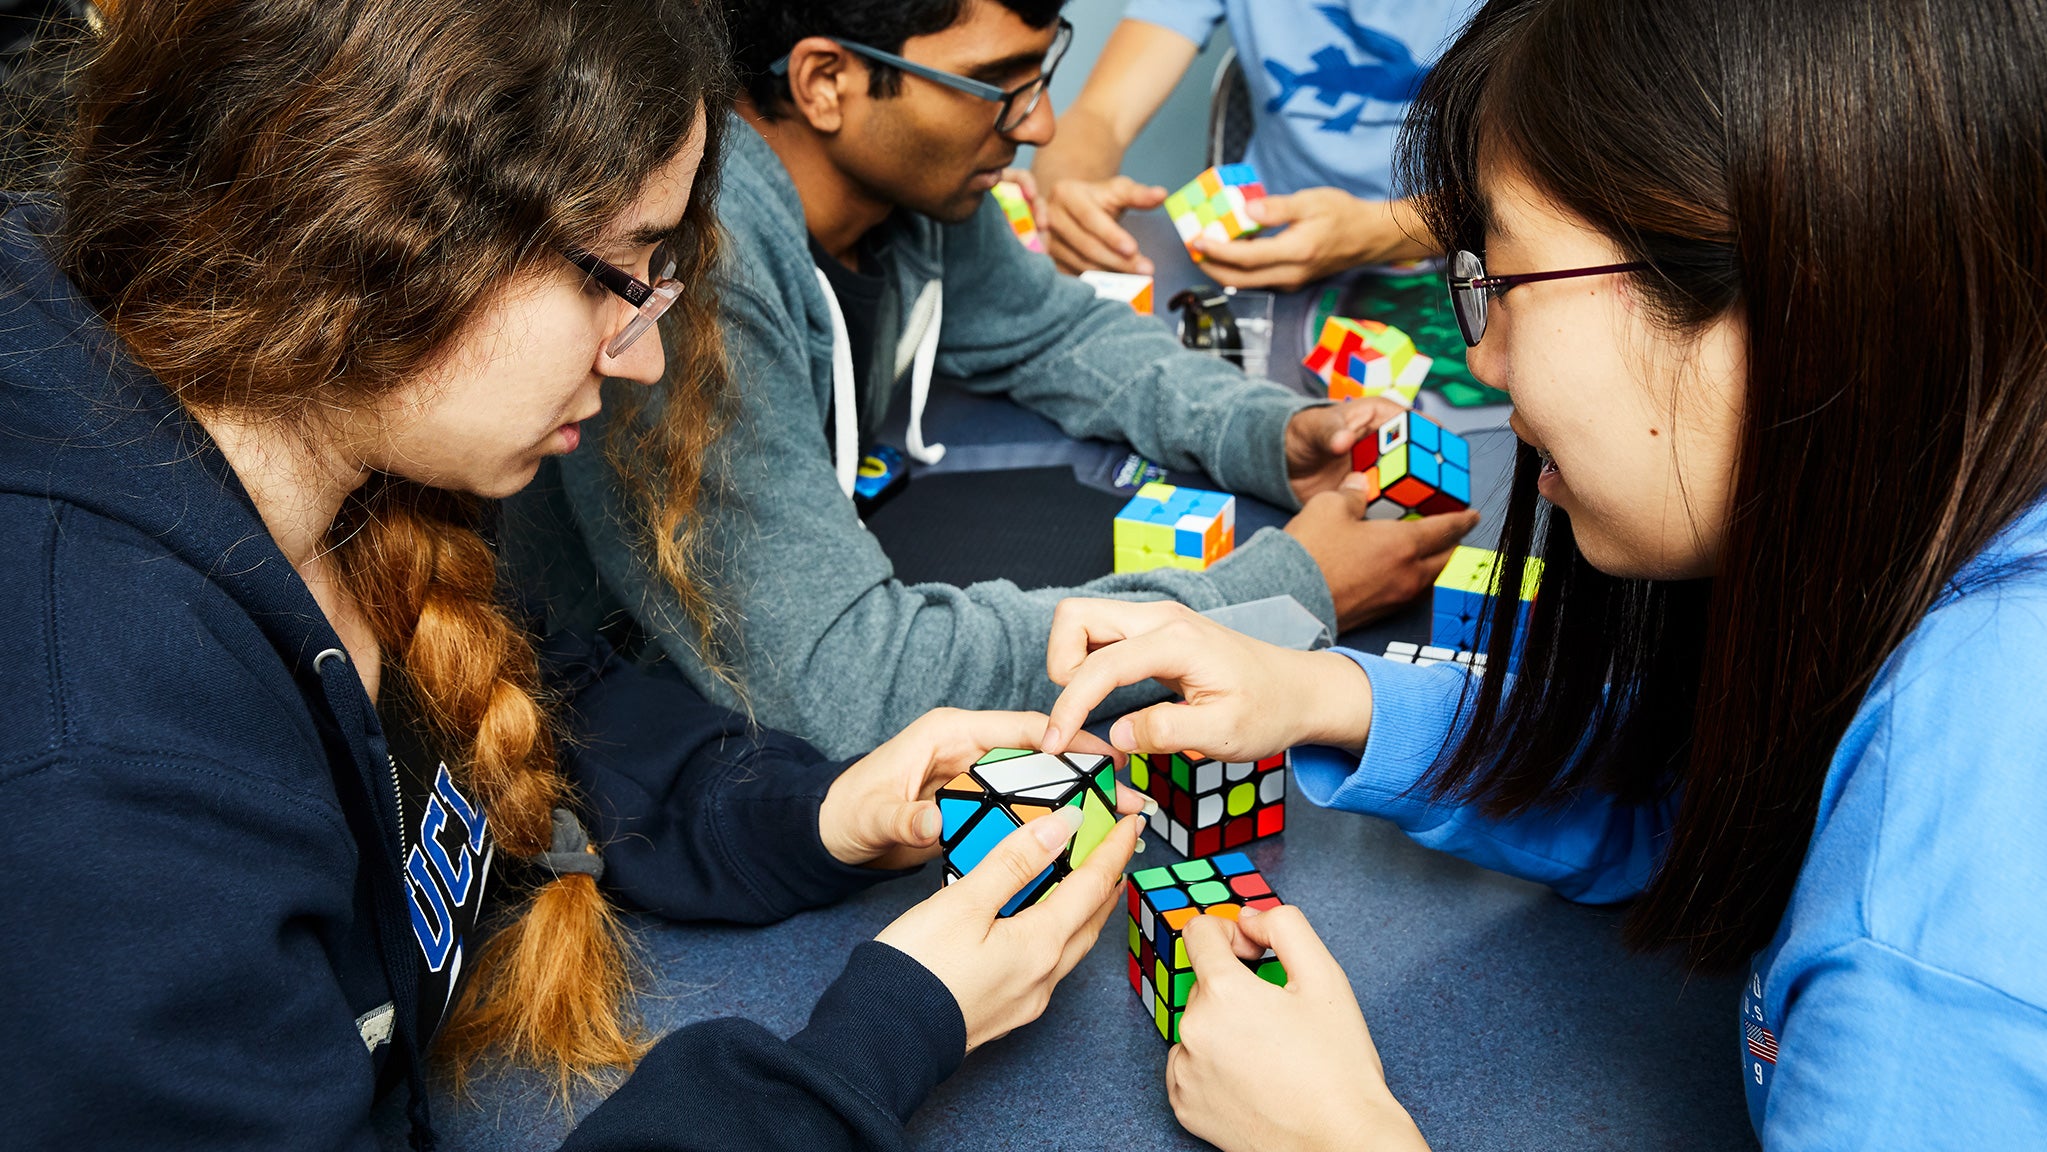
(1330, 82)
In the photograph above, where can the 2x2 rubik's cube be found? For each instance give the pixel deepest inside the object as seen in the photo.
(1413, 467)
(1165, 526)
(1356, 359)
(1216, 205)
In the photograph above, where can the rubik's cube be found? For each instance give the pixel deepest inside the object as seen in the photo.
(1413, 467)
(1162, 902)
(1010, 787)
(1460, 599)
(1165, 526)
(1128, 287)
(1360, 358)
(1018, 210)
(1216, 205)
(1206, 805)
(1423, 655)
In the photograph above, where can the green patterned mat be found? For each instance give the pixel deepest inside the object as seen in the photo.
(1417, 305)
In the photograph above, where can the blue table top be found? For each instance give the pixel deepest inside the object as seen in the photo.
(1506, 1017)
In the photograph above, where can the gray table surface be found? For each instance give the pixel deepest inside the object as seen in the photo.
(1506, 1017)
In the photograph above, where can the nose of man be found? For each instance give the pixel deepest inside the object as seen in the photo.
(1037, 128)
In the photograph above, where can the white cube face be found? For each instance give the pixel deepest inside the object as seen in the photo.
(1208, 811)
(1273, 787)
(1208, 776)
(1159, 824)
(1179, 840)
(1238, 771)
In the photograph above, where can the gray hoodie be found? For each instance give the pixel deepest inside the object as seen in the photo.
(825, 641)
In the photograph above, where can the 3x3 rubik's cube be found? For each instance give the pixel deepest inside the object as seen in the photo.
(1010, 787)
(1207, 805)
(1459, 600)
(1165, 526)
(1017, 210)
(1162, 902)
(1356, 359)
(1413, 467)
(1216, 205)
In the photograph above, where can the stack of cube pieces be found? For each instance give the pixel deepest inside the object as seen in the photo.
(1459, 602)
(1360, 358)
(1413, 467)
(1018, 211)
(1165, 526)
(1207, 805)
(1008, 788)
(1216, 205)
(1162, 903)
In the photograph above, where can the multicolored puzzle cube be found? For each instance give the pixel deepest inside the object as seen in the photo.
(1459, 606)
(1423, 655)
(1162, 903)
(1018, 210)
(1008, 788)
(1216, 205)
(1413, 467)
(1128, 287)
(1165, 526)
(1207, 805)
(1361, 358)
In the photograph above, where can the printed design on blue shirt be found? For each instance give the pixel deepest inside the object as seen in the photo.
(1384, 82)
(445, 872)
(1759, 1043)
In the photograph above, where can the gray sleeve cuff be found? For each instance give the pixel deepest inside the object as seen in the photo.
(1250, 455)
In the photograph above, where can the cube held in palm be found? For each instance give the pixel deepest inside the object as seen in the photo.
(1162, 902)
(1017, 210)
(1165, 526)
(1413, 467)
(1207, 805)
(1216, 205)
(1356, 359)
(1010, 787)
(1460, 595)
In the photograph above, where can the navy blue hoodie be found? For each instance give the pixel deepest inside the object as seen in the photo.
(206, 940)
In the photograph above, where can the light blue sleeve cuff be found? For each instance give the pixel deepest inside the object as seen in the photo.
(1197, 20)
(1414, 713)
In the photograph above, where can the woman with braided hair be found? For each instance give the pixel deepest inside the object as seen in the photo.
(294, 806)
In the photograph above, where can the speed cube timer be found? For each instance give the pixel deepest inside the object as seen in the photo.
(1216, 205)
(1010, 787)
(1355, 359)
(1017, 210)
(1207, 805)
(1413, 467)
(1459, 602)
(1165, 526)
(1162, 902)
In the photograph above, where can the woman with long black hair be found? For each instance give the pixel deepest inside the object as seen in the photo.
(1765, 282)
(292, 804)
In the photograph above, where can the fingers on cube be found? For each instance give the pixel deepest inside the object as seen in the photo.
(1162, 902)
(1008, 788)
(1216, 204)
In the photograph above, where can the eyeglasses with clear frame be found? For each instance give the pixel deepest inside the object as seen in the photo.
(1470, 288)
(1017, 103)
(651, 300)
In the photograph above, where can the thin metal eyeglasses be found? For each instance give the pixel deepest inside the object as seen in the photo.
(1470, 288)
(1017, 103)
(651, 299)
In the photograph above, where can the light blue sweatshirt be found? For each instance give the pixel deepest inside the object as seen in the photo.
(1904, 997)
(1330, 80)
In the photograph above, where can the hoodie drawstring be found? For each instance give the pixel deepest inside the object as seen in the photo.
(919, 345)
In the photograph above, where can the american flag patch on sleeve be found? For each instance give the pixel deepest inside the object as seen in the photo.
(1762, 1043)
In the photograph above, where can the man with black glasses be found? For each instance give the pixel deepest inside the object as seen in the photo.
(864, 255)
